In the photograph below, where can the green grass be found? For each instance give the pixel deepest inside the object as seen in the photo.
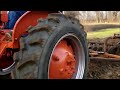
(103, 33)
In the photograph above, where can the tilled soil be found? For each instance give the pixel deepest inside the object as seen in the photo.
(103, 69)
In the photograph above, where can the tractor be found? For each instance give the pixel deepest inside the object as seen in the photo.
(43, 45)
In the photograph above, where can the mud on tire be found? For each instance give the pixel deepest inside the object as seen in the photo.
(36, 48)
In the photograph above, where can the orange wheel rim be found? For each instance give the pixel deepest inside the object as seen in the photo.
(67, 60)
(62, 65)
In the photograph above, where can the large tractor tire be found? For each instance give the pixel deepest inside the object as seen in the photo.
(56, 48)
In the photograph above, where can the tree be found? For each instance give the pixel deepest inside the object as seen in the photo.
(115, 14)
(74, 14)
(98, 16)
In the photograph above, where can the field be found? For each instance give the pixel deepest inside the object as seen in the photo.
(102, 69)
(103, 33)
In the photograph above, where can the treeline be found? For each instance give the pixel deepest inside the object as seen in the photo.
(95, 16)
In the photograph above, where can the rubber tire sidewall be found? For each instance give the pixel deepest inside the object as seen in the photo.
(50, 44)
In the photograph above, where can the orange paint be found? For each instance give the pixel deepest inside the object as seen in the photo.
(27, 19)
(62, 63)
(4, 16)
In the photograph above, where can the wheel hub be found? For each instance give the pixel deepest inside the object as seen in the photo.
(62, 63)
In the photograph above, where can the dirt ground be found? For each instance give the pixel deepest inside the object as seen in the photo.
(101, 69)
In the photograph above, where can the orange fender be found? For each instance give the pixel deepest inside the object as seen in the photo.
(27, 19)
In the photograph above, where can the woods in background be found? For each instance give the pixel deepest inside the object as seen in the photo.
(95, 16)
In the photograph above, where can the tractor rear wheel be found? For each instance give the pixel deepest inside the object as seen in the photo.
(56, 48)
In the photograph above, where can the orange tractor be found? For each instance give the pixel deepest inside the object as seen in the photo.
(43, 45)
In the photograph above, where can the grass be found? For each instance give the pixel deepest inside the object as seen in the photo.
(103, 33)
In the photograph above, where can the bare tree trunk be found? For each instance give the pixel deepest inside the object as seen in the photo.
(97, 16)
(74, 14)
(106, 17)
(115, 14)
(109, 14)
